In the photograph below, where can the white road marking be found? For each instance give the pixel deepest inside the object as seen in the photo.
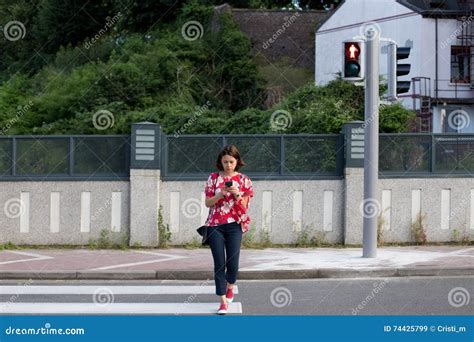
(35, 257)
(115, 308)
(116, 290)
(165, 257)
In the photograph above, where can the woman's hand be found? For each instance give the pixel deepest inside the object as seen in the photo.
(233, 190)
(223, 192)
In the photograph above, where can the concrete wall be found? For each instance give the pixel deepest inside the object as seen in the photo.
(281, 208)
(58, 212)
(332, 208)
(63, 212)
(76, 212)
(448, 204)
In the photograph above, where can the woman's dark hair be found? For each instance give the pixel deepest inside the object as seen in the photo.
(230, 150)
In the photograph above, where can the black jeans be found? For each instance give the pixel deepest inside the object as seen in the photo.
(225, 238)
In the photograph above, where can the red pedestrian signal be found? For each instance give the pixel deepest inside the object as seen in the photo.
(352, 50)
(353, 68)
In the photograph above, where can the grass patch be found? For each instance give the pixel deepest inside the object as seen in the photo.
(164, 234)
(8, 245)
(309, 237)
(418, 229)
(109, 240)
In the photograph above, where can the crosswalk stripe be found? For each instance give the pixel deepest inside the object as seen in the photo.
(115, 308)
(116, 290)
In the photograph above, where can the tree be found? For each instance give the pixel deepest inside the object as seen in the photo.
(319, 4)
(145, 15)
(68, 22)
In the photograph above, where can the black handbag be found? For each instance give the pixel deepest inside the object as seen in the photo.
(203, 232)
(203, 229)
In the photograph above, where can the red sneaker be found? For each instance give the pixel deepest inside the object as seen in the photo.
(222, 309)
(229, 295)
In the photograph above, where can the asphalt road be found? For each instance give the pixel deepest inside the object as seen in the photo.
(366, 296)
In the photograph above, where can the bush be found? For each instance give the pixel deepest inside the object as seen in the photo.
(395, 118)
(161, 77)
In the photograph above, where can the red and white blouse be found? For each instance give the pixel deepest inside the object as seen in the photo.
(227, 209)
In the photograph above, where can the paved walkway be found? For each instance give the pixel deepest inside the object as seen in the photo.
(269, 263)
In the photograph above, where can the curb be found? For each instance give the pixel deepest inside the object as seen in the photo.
(244, 275)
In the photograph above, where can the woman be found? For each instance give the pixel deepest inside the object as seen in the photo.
(227, 220)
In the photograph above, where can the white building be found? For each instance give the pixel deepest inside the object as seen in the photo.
(441, 36)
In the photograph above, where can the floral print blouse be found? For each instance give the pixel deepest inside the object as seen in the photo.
(227, 209)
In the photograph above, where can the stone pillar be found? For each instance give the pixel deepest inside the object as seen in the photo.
(353, 181)
(145, 183)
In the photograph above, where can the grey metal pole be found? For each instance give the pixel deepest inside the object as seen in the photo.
(392, 71)
(371, 206)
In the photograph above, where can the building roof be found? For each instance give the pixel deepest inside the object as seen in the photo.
(330, 14)
(427, 8)
(440, 8)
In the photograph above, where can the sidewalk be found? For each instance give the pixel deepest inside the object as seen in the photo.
(272, 263)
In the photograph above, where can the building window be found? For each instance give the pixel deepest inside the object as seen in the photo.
(460, 64)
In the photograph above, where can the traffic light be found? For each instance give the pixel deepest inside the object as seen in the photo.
(353, 60)
(395, 86)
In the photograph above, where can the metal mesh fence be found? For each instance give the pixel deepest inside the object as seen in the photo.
(264, 155)
(42, 156)
(404, 154)
(294, 156)
(190, 156)
(64, 156)
(5, 156)
(101, 155)
(314, 154)
(454, 154)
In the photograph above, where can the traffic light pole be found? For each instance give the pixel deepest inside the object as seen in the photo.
(371, 158)
(392, 71)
